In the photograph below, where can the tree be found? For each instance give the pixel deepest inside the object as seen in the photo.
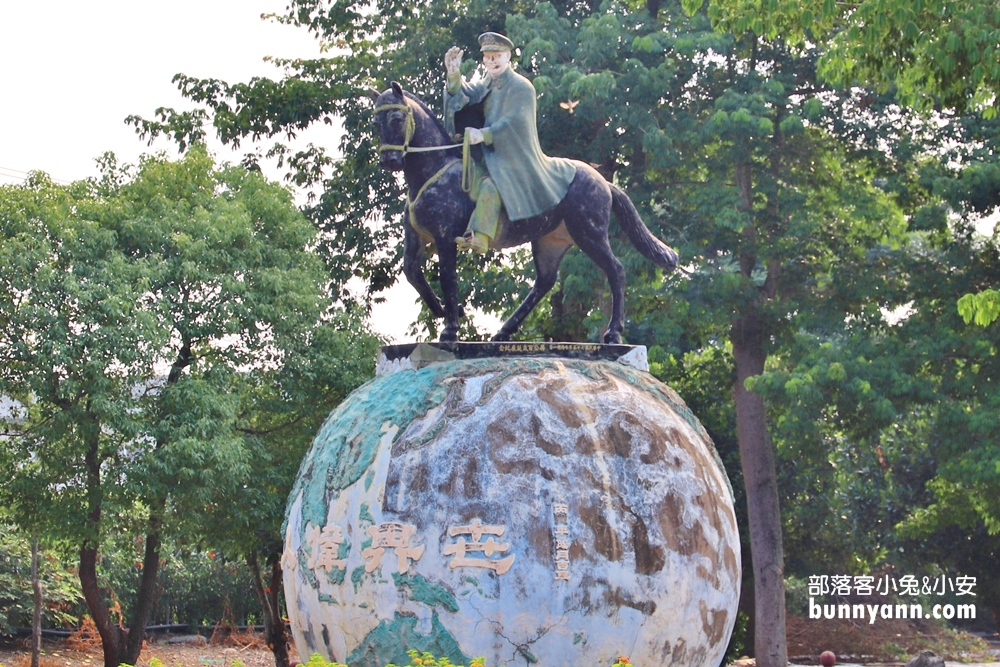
(933, 55)
(882, 419)
(132, 308)
(60, 594)
(283, 410)
(774, 183)
(887, 427)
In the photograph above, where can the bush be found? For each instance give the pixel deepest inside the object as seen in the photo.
(60, 588)
(193, 587)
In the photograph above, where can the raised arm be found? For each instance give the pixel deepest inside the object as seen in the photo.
(452, 62)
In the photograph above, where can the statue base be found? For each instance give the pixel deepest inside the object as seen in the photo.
(521, 506)
(418, 355)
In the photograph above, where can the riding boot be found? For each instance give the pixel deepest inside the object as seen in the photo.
(485, 218)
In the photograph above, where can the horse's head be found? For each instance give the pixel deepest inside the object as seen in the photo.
(395, 124)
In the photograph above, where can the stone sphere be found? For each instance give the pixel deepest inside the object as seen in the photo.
(558, 511)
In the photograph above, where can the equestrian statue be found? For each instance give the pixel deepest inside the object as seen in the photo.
(497, 189)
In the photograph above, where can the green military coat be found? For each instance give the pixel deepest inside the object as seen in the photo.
(529, 181)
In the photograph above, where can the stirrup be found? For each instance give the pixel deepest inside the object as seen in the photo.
(472, 241)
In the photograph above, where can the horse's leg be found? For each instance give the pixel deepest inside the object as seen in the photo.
(413, 268)
(548, 253)
(592, 237)
(447, 260)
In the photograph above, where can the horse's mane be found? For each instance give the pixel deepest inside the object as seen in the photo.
(430, 114)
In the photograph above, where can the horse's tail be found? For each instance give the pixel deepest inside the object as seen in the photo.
(649, 246)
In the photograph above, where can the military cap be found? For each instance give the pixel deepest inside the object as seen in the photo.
(494, 41)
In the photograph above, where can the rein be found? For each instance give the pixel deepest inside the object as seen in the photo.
(410, 204)
(411, 127)
(468, 169)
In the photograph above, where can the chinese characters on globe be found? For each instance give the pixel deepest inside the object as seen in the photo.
(474, 545)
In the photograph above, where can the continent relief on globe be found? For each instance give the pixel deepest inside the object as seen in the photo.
(522, 509)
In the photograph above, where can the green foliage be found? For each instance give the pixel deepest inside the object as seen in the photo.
(316, 660)
(151, 320)
(282, 411)
(770, 19)
(60, 592)
(737, 641)
(425, 659)
(931, 52)
(983, 308)
(835, 220)
(185, 271)
(880, 425)
(200, 587)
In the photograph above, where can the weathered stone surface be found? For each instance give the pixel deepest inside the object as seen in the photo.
(559, 511)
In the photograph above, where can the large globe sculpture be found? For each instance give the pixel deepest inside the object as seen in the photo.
(528, 510)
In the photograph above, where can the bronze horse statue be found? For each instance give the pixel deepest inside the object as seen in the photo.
(438, 210)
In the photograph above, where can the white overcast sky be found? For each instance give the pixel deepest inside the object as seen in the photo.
(72, 70)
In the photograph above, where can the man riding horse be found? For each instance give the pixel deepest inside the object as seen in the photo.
(519, 176)
(551, 203)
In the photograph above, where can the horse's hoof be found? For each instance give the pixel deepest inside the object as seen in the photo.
(612, 338)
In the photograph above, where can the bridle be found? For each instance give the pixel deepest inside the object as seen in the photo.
(410, 128)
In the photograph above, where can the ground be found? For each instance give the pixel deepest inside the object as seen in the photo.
(58, 654)
(885, 641)
(888, 643)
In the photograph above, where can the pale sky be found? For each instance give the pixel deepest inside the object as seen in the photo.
(72, 70)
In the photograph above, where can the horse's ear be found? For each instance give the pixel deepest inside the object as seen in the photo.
(372, 94)
(397, 88)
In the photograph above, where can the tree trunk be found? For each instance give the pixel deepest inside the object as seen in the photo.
(760, 477)
(97, 604)
(147, 588)
(36, 620)
(270, 604)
